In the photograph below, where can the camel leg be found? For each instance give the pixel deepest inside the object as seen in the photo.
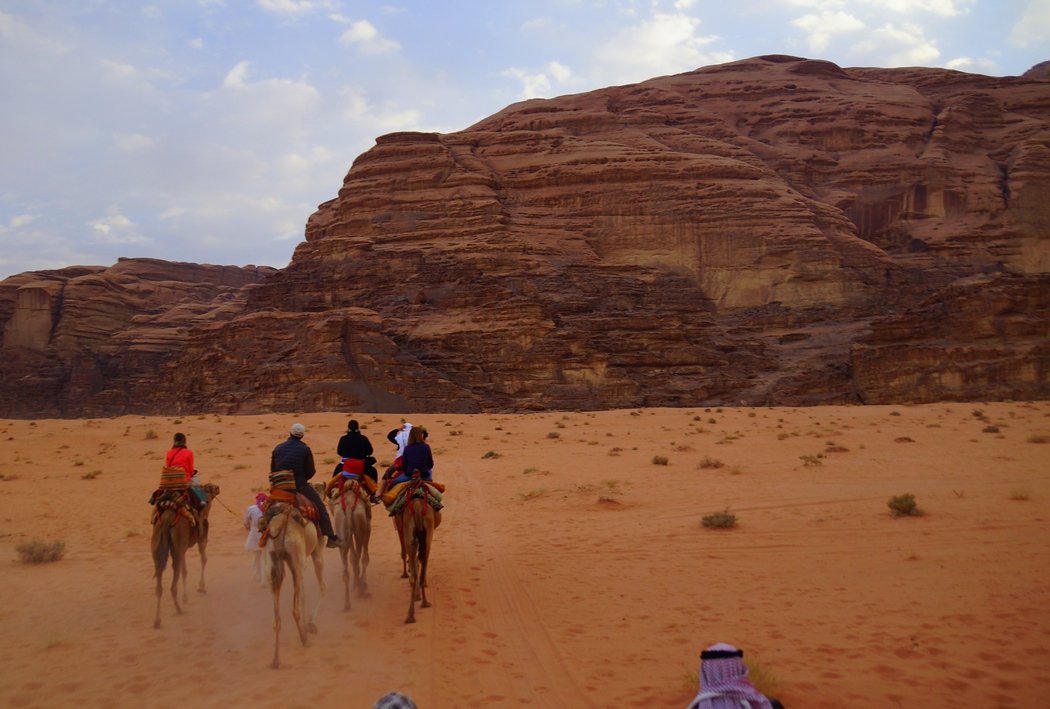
(411, 543)
(364, 534)
(343, 550)
(176, 573)
(160, 594)
(318, 558)
(183, 574)
(424, 558)
(276, 579)
(398, 525)
(204, 562)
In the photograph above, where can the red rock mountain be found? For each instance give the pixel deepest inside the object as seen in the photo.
(775, 230)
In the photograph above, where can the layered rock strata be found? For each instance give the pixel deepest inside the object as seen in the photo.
(770, 231)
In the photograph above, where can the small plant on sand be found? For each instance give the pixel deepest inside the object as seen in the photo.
(660, 460)
(151, 435)
(531, 494)
(38, 552)
(990, 429)
(91, 476)
(761, 677)
(491, 454)
(720, 520)
(553, 434)
(904, 506)
(1038, 438)
(709, 462)
(811, 460)
(1019, 494)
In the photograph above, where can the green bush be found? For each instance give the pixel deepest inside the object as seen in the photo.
(720, 520)
(904, 506)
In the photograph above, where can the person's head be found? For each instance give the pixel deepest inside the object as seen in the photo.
(179, 440)
(261, 499)
(394, 700)
(417, 435)
(298, 430)
(721, 665)
(353, 425)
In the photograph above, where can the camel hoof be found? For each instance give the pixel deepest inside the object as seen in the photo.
(425, 604)
(364, 594)
(156, 623)
(275, 665)
(311, 628)
(404, 576)
(409, 620)
(201, 590)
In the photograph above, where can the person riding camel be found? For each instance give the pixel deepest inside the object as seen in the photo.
(296, 456)
(180, 456)
(399, 437)
(356, 452)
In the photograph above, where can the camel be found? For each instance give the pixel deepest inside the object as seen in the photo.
(418, 522)
(352, 517)
(290, 539)
(173, 533)
(211, 491)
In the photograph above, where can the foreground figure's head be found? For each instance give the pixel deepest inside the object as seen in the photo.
(298, 430)
(724, 683)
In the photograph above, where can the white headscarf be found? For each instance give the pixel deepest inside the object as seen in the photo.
(723, 681)
(402, 437)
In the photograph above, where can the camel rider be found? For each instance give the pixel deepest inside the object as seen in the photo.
(179, 456)
(296, 456)
(357, 462)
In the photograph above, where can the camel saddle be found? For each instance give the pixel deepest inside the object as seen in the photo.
(180, 500)
(297, 500)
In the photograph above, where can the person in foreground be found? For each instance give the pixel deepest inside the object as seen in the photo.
(724, 683)
(296, 456)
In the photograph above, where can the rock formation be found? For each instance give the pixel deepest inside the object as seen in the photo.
(771, 231)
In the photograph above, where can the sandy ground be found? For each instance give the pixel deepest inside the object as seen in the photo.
(571, 568)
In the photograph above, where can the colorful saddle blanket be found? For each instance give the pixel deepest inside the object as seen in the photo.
(396, 497)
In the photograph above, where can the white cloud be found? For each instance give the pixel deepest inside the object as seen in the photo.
(17, 222)
(533, 85)
(196, 43)
(827, 26)
(900, 45)
(235, 77)
(363, 35)
(1033, 29)
(944, 8)
(115, 228)
(293, 7)
(132, 142)
(662, 44)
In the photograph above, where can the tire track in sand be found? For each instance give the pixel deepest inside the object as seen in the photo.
(500, 629)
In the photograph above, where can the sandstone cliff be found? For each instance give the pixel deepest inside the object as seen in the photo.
(774, 230)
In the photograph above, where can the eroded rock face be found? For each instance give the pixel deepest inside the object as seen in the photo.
(752, 232)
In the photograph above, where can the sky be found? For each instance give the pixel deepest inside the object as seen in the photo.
(209, 130)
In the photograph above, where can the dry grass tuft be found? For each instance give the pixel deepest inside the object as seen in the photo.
(719, 520)
(38, 552)
(904, 506)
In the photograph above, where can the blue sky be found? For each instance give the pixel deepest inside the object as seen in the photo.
(210, 130)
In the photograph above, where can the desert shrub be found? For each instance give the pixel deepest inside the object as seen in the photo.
(709, 462)
(720, 520)
(38, 552)
(1019, 494)
(660, 460)
(531, 494)
(553, 434)
(491, 454)
(836, 449)
(91, 476)
(151, 435)
(761, 677)
(811, 460)
(1038, 438)
(990, 429)
(904, 506)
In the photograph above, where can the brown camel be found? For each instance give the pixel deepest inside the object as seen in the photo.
(211, 491)
(174, 531)
(351, 515)
(290, 539)
(418, 522)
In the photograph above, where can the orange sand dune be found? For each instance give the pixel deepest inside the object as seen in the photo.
(571, 570)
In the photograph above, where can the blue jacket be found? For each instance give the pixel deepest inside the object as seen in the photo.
(296, 456)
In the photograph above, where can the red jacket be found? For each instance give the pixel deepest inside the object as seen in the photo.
(181, 457)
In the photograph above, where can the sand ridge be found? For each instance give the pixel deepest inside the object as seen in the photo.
(570, 569)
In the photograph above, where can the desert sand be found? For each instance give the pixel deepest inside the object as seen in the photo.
(571, 568)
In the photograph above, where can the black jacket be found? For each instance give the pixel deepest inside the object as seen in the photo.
(354, 445)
